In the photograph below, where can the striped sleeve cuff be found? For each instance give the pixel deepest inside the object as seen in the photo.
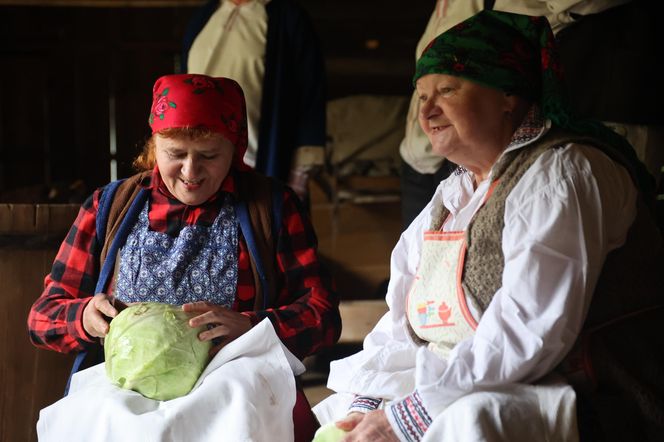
(409, 418)
(364, 404)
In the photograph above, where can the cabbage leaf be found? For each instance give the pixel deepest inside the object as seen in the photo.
(150, 348)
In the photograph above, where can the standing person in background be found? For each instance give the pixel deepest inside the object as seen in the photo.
(270, 48)
(422, 169)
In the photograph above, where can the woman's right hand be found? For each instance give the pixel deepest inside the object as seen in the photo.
(97, 314)
(370, 426)
(350, 421)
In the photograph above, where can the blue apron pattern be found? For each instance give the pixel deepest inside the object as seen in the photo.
(200, 264)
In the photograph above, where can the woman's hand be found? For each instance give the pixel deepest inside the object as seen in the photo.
(97, 313)
(222, 323)
(370, 426)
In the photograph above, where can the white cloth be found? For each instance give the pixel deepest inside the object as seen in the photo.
(232, 44)
(572, 207)
(246, 393)
(545, 412)
(517, 412)
(415, 148)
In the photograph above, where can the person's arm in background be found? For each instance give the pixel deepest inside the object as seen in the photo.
(307, 317)
(309, 77)
(55, 320)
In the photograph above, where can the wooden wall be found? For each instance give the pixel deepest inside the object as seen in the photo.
(30, 378)
(72, 79)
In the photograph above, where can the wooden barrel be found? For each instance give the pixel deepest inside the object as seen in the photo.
(30, 378)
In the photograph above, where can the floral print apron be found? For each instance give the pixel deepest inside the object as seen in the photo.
(199, 264)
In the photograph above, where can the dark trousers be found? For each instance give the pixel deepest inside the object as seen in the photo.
(417, 189)
(304, 420)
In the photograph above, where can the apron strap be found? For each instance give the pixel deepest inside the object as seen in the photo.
(245, 226)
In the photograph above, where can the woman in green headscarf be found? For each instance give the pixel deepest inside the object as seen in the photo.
(541, 240)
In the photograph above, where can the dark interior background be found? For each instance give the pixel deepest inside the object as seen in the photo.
(76, 80)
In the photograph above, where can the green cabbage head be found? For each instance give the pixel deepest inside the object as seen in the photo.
(329, 433)
(151, 349)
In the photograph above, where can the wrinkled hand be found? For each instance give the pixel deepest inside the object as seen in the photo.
(222, 323)
(372, 426)
(97, 313)
(298, 180)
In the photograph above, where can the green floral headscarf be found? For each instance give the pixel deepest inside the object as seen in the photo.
(517, 54)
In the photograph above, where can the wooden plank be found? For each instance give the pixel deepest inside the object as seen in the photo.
(358, 318)
(30, 378)
(5, 218)
(359, 249)
(56, 218)
(355, 242)
(17, 218)
(352, 218)
(29, 219)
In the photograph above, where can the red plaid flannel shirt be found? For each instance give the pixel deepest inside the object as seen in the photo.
(306, 315)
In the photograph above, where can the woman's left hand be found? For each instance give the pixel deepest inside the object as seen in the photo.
(223, 323)
(371, 426)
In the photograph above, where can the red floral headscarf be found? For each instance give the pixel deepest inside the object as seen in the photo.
(193, 100)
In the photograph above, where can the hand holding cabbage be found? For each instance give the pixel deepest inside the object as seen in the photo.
(222, 325)
(367, 426)
(95, 315)
(329, 433)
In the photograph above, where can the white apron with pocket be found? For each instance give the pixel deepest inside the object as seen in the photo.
(436, 304)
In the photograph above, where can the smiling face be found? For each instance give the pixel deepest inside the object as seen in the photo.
(465, 121)
(193, 169)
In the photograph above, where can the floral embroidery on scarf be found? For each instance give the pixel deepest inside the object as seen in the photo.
(230, 122)
(161, 105)
(201, 84)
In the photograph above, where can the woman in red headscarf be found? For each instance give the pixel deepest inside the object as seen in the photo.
(196, 228)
